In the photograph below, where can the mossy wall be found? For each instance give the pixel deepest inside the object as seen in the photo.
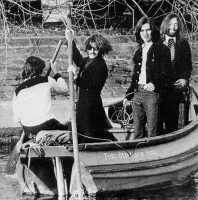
(15, 50)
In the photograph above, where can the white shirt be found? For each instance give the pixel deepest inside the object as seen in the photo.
(145, 48)
(32, 106)
(167, 39)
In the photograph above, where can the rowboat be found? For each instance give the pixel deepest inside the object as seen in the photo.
(113, 166)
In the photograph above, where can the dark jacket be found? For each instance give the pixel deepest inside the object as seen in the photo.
(183, 60)
(158, 66)
(181, 69)
(90, 114)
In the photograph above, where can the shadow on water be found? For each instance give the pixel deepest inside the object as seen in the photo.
(31, 197)
(187, 191)
(5, 150)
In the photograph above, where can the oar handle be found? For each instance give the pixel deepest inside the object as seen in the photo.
(54, 56)
(56, 51)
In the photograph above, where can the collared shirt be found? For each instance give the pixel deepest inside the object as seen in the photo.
(145, 49)
(167, 39)
(33, 105)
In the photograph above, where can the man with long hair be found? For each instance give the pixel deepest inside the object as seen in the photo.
(150, 66)
(178, 79)
(93, 72)
(32, 105)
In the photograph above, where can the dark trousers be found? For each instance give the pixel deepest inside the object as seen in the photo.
(145, 104)
(168, 117)
(173, 115)
(52, 124)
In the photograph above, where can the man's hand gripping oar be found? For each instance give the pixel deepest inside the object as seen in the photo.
(14, 156)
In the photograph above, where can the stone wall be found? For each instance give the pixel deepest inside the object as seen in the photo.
(14, 51)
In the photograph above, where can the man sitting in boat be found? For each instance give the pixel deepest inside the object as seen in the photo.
(32, 99)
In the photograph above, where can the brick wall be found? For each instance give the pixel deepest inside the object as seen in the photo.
(14, 51)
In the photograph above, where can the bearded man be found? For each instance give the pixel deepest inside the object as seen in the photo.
(178, 79)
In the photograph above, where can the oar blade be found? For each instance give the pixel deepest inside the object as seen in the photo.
(12, 162)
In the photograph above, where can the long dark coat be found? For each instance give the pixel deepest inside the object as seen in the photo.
(90, 114)
(172, 111)
(181, 70)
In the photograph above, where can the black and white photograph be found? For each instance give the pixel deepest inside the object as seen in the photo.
(98, 99)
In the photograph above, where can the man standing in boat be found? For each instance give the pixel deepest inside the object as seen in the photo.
(93, 72)
(181, 69)
(151, 65)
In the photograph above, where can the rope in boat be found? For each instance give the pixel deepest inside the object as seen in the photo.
(116, 144)
(122, 116)
(126, 120)
(36, 146)
(105, 140)
(30, 144)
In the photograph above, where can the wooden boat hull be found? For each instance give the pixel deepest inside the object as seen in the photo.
(148, 167)
(38, 175)
(147, 164)
(107, 167)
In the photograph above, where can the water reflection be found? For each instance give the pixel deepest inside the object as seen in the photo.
(4, 154)
(187, 191)
(28, 197)
(10, 190)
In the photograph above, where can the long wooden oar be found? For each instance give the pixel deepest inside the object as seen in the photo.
(14, 156)
(55, 56)
(73, 116)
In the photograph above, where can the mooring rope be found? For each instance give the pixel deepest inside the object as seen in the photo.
(116, 144)
(122, 116)
(30, 145)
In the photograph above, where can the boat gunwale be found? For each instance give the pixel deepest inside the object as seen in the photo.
(143, 142)
(114, 145)
(146, 165)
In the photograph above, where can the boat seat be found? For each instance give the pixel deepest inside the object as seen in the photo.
(122, 134)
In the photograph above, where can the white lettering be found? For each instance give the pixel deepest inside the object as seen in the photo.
(125, 155)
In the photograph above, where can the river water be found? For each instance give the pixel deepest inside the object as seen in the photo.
(10, 190)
